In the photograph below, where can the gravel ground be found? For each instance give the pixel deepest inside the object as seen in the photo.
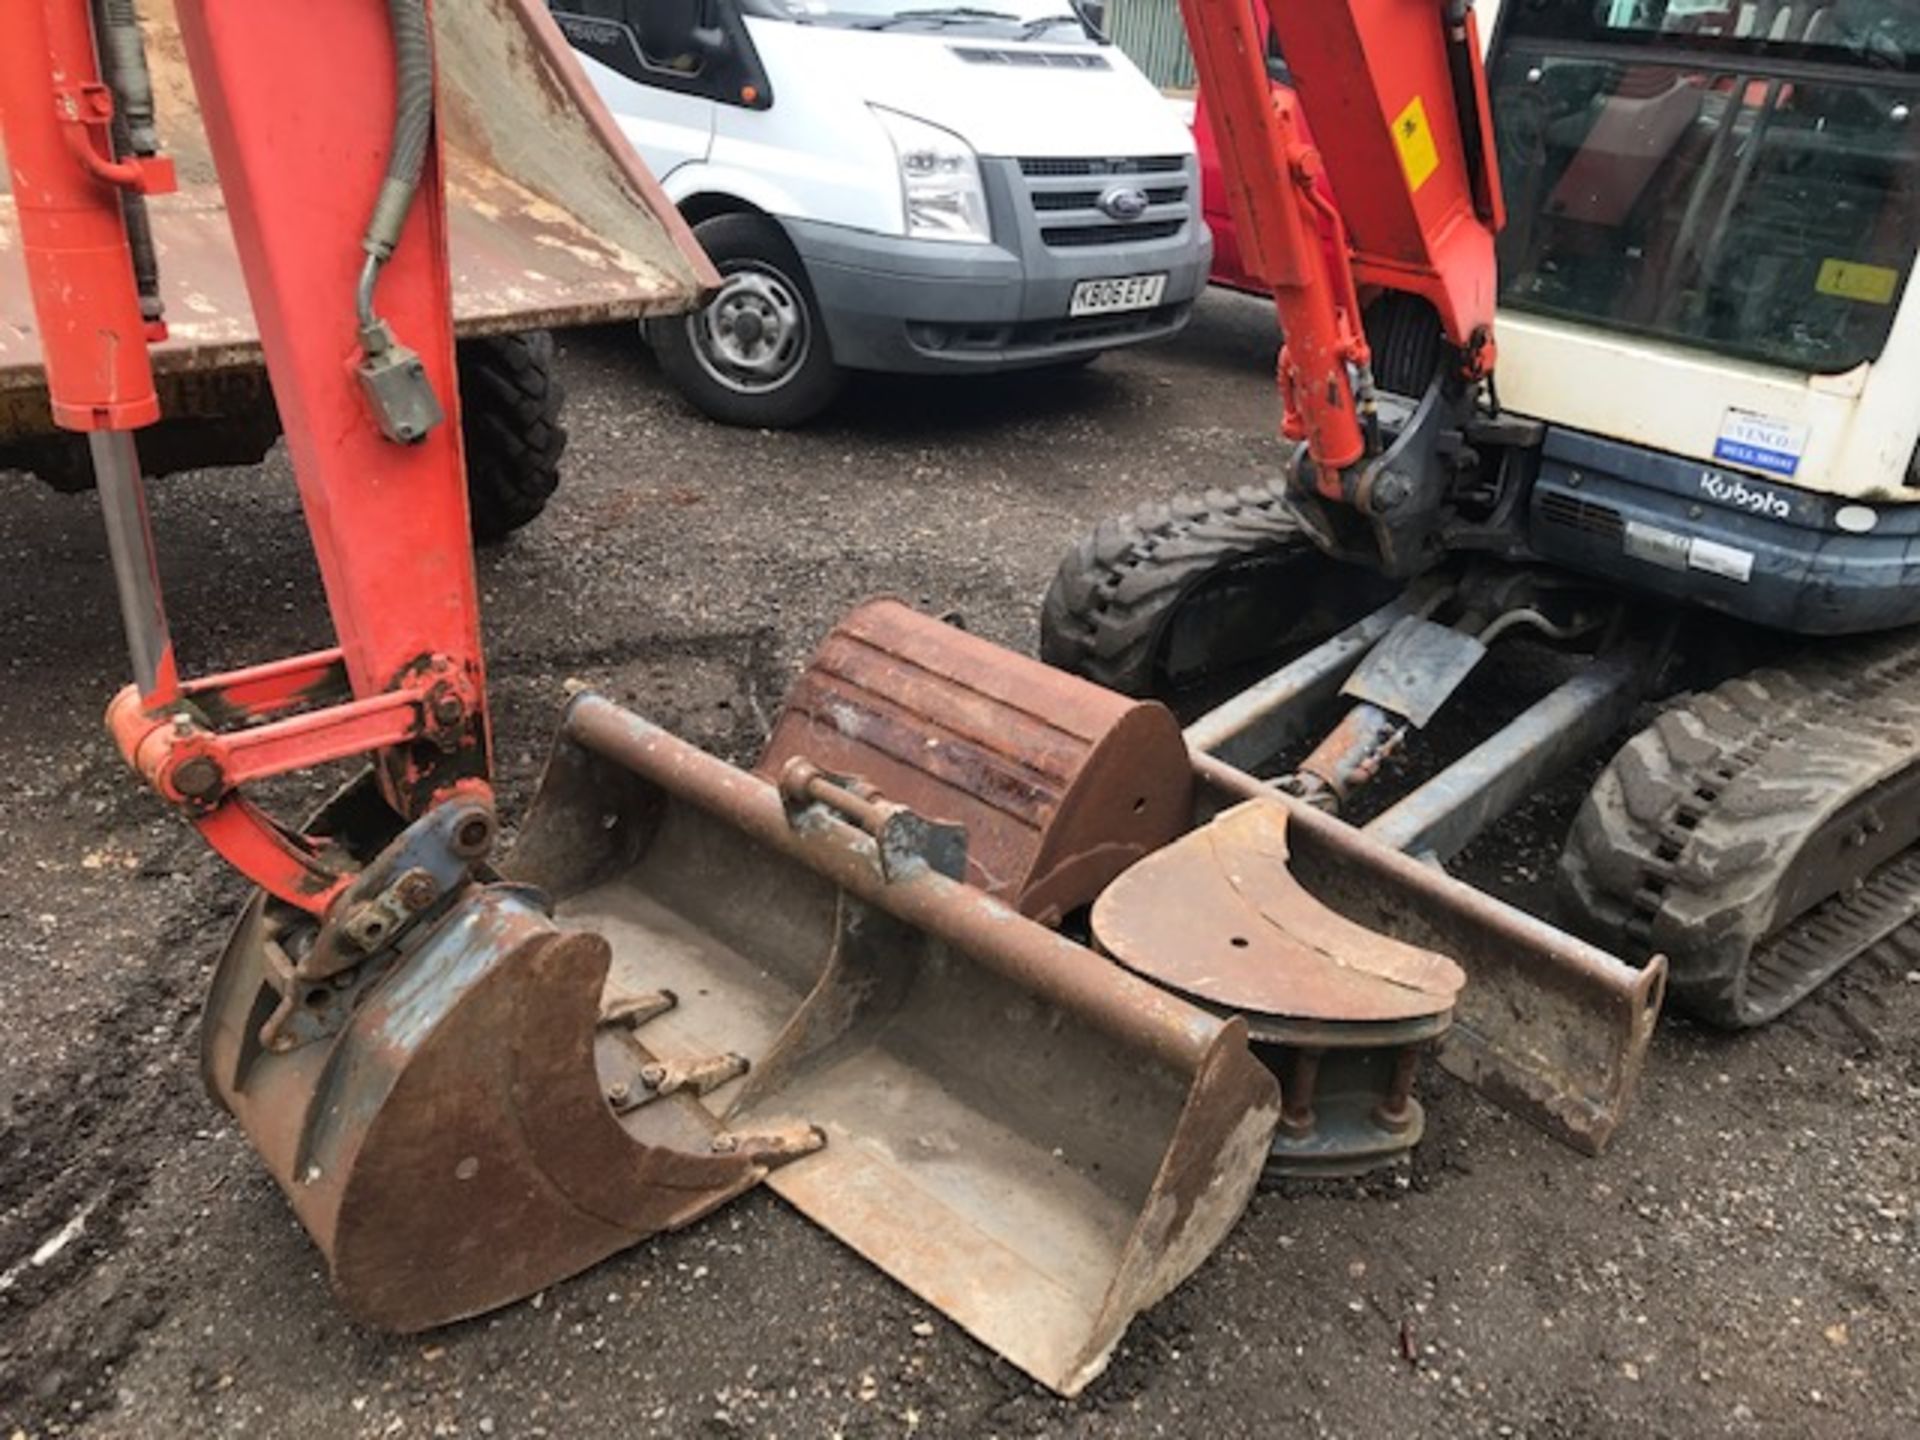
(1742, 1262)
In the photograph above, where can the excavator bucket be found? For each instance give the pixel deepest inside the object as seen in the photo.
(464, 1076)
(552, 222)
(1034, 1141)
(426, 1068)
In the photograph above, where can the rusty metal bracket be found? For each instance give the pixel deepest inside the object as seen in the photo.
(1337, 1011)
(1549, 1027)
(904, 842)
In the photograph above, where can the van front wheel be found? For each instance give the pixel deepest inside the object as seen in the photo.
(757, 353)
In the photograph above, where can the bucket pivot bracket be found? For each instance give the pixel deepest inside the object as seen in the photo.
(413, 878)
(906, 843)
(318, 971)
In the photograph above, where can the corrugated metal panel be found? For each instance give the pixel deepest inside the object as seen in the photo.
(1150, 33)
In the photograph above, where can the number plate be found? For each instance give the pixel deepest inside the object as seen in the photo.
(1129, 292)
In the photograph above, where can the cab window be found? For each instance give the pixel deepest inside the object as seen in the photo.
(1739, 175)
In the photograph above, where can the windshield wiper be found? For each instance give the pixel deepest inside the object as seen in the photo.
(1035, 28)
(942, 15)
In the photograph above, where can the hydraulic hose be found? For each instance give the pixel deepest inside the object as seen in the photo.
(412, 128)
(124, 59)
(123, 65)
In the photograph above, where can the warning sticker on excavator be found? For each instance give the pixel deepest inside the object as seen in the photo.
(1413, 138)
(1850, 280)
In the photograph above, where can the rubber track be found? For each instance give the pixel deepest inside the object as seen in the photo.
(1686, 837)
(1809, 950)
(1108, 609)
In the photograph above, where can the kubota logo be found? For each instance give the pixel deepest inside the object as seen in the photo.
(1742, 496)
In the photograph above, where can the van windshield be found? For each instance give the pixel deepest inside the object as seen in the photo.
(1741, 175)
(1055, 21)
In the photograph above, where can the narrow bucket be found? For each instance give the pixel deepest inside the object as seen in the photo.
(437, 1116)
(1033, 1141)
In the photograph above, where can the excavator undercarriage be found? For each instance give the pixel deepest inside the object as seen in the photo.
(1759, 830)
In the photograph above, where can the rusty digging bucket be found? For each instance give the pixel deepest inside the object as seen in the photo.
(436, 1115)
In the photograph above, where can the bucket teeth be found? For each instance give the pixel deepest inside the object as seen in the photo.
(655, 1079)
(700, 1074)
(634, 1008)
(772, 1143)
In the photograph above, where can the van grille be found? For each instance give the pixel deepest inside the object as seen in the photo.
(1111, 232)
(1048, 165)
(1063, 193)
(1057, 200)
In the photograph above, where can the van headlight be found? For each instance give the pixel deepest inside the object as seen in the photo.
(939, 179)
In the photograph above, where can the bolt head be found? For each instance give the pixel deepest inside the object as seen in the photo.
(1390, 491)
(198, 777)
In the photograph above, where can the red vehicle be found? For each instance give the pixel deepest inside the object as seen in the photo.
(1228, 267)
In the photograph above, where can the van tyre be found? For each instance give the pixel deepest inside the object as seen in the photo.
(757, 354)
(1152, 602)
(510, 404)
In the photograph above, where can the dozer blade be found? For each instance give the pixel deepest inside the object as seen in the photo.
(438, 1121)
(1033, 1141)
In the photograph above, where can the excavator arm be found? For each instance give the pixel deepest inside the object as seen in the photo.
(1372, 173)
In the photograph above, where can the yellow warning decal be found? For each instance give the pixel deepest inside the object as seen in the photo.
(1413, 138)
(1850, 280)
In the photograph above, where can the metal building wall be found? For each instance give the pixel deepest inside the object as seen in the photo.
(1152, 36)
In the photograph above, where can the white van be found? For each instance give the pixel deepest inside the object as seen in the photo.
(891, 185)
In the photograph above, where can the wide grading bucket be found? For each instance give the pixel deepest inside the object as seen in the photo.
(1034, 1141)
(552, 222)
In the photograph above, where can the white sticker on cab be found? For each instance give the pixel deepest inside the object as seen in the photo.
(1723, 560)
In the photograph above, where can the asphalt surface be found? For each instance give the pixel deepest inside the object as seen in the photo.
(1741, 1263)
